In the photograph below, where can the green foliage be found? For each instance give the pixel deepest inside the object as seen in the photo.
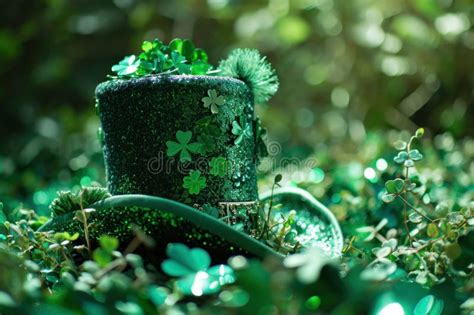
(104, 254)
(219, 166)
(213, 101)
(192, 266)
(68, 201)
(429, 305)
(128, 66)
(179, 57)
(242, 130)
(183, 146)
(339, 81)
(249, 66)
(194, 182)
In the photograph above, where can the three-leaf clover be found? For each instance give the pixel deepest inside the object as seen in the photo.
(191, 266)
(242, 130)
(213, 101)
(183, 146)
(408, 158)
(208, 143)
(127, 66)
(219, 166)
(394, 188)
(194, 183)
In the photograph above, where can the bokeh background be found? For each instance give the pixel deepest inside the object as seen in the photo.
(350, 71)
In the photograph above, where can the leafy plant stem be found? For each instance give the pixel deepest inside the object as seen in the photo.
(266, 227)
(413, 208)
(86, 227)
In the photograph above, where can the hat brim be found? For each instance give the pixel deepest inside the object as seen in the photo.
(168, 221)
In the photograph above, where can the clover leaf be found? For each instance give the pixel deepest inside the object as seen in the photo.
(408, 158)
(127, 66)
(213, 101)
(183, 47)
(415, 155)
(180, 63)
(194, 183)
(208, 143)
(429, 305)
(219, 166)
(401, 157)
(242, 130)
(191, 266)
(183, 146)
(395, 186)
(157, 58)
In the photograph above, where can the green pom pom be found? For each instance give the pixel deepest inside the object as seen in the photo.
(249, 66)
(67, 201)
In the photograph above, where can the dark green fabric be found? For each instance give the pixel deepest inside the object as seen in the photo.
(138, 116)
(166, 221)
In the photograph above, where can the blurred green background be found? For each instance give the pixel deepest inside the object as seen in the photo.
(348, 69)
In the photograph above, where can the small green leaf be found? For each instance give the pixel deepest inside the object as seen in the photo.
(108, 243)
(388, 198)
(442, 208)
(177, 45)
(157, 295)
(199, 67)
(409, 163)
(242, 130)
(194, 183)
(79, 216)
(213, 101)
(6, 299)
(401, 157)
(432, 230)
(395, 186)
(383, 252)
(179, 63)
(199, 54)
(188, 49)
(429, 305)
(192, 266)
(129, 308)
(202, 283)
(127, 66)
(415, 155)
(278, 178)
(184, 261)
(400, 145)
(102, 257)
(183, 146)
(419, 132)
(147, 46)
(415, 218)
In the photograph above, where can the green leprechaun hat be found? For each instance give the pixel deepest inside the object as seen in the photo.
(181, 145)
